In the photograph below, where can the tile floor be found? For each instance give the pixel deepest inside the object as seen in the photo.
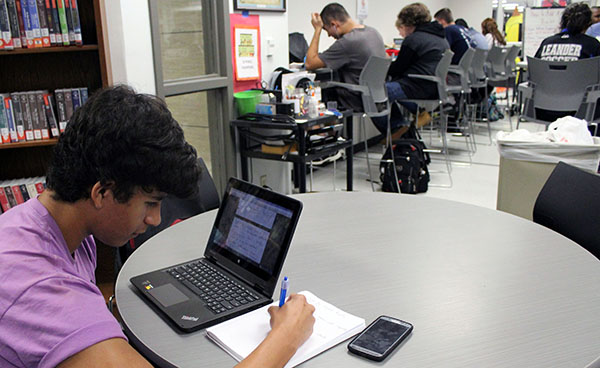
(474, 181)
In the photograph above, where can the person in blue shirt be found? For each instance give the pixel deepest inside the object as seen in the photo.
(478, 40)
(458, 37)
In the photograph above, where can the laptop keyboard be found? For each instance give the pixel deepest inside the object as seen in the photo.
(219, 292)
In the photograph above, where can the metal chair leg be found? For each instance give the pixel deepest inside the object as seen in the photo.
(364, 129)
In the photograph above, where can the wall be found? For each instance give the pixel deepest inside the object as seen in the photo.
(130, 44)
(382, 15)
(474, 12)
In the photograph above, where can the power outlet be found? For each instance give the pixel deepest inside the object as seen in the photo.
(263, 180)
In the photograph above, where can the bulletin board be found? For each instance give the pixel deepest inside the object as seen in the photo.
(539, 23)
(245, 51)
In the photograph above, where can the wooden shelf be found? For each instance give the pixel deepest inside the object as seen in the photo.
(39, 143)
(46, 50)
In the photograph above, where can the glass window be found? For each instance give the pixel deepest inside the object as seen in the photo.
(191, 111)
(182, 39)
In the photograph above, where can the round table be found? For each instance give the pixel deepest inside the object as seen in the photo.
(482, 288)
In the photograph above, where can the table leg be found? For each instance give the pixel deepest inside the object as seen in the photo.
(302, 154)
(243, 158)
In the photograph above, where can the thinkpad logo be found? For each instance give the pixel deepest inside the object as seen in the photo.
(189, 318)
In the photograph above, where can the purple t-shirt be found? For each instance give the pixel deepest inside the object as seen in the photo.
(50, 307)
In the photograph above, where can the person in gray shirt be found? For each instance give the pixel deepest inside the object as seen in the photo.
(355, 44)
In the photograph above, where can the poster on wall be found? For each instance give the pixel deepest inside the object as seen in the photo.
(362, 9)
(246, 53)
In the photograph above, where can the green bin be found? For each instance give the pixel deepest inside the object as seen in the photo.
(246, 101)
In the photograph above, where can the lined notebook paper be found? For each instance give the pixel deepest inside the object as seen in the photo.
(241, 335)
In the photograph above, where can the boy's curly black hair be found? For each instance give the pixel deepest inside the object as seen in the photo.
(576, 18)
(123, 140)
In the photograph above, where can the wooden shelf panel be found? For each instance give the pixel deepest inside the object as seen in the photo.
(46, 50)
(39, 143)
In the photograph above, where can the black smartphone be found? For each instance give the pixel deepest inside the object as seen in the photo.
(380, 338)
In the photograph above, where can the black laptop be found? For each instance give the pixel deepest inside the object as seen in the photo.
(241, 265)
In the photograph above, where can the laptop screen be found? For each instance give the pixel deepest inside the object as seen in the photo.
(253, 228)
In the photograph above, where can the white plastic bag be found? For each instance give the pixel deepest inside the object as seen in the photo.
(570, 130)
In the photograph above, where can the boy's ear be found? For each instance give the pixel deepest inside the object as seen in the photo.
(98, 195)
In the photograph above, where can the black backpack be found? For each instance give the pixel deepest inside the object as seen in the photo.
(411, 167)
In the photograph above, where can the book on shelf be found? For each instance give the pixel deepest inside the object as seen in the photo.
(17, 191)
(69, 17)
(4, 205)
(43, 18)
(4, 128)
(50, 116)
(21, 24)
(76, 23)
(24, 192)
(18, 113)
(39, 23)
(68, 103)
(62, 19)
(53, 23)
(12, 202)
(35, 23)
(61, 110)
(84, 94)
(10, 116)
(75, 98)
(13, 18)
(27, 116)
(241, 335)
(43, 120)
(27, 23)
(36, 115)
(6, 42)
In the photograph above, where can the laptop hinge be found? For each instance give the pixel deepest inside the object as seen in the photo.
(259, 289)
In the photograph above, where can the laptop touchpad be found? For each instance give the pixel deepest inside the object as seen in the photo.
(168, 295)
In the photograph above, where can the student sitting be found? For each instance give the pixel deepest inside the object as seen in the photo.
(421, 51)
(119, 156)
(478, 40)
(489, 28)
(355, 44)
(571, 43)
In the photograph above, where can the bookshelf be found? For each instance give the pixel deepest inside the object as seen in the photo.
(49, 69)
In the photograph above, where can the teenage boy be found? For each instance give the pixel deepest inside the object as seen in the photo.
(355, 44)
(121, 154)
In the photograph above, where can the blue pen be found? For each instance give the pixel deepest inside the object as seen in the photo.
(284, 286)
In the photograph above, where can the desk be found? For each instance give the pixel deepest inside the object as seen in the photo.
(483, 288)
(302, 157)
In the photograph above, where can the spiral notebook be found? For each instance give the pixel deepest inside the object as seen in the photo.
(241, 335)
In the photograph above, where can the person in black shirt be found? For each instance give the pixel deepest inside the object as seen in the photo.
(571, 43)
(421, 51)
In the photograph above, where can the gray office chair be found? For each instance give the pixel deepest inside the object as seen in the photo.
(568, 204)
(478, 80)
(464, 90)
(442, 103)
(374, 96)
(501, 71)
(560, 88)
